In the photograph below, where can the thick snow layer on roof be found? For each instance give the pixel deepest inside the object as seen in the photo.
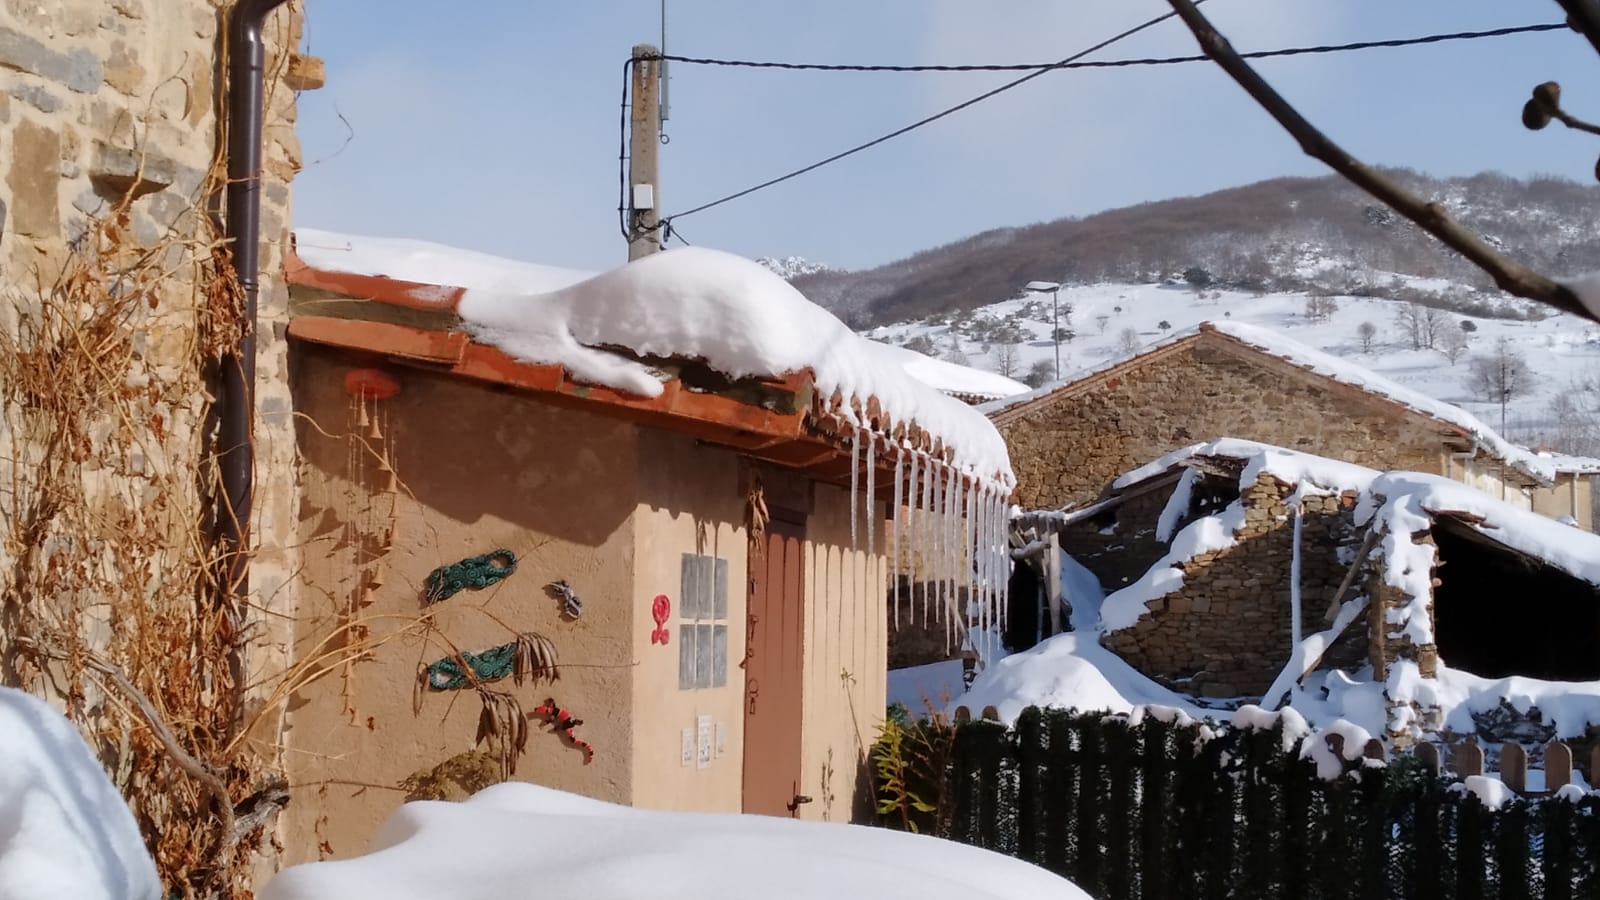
(1288, 466)
(1542, 466)
(518, 840)
(739, 318)
(1570, 549)
(427, 263)
(64, 829)
(1343, 370)
(949, 377)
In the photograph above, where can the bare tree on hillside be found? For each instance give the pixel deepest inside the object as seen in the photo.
(1128, 340)
(954, 353)
(1453, 342)
(1040, 373)
(1102, 321)
(1366, 331)
(1544, 107)
(1501, 376)
(1321, 307)
(922, 344)
(1423, 324)
(1007, 357)
(1576, 414)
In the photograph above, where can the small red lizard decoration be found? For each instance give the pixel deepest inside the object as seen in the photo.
(563, 721)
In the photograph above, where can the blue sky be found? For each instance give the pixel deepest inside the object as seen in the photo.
(493, 124)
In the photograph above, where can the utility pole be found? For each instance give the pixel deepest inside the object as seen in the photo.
(644, 143)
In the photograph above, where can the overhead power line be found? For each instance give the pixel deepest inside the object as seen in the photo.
(1016, 82)
(1034, 70)
(1115, 63)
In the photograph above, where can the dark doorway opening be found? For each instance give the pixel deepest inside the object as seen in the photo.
(1500, 612)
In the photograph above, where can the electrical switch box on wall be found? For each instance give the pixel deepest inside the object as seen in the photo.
(688, 748)
(722, 738)
(704, 734)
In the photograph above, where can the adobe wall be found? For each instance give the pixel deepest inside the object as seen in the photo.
(1070, 450)
(1226, 632)
(845, 688)
(689, 502)
(475, 470)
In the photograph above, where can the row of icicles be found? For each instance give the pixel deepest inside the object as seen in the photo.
(956, 532)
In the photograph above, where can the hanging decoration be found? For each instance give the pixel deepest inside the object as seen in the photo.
(660, 610)
(563, 721)
(530, 656)
(571, 606)
(502, 723)
(474, 572)
(368, 514)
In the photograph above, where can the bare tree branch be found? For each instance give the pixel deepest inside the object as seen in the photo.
(1584, 17)
(1512, 276)
(199, 771)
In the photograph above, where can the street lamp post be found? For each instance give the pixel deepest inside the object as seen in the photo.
(1054, 290)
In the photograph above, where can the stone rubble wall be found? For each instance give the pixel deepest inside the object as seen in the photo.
(1226, 632)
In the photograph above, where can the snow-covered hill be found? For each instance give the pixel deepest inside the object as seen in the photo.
(788, 267)
(1106, 319)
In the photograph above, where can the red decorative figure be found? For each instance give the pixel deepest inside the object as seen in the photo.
(660, 610)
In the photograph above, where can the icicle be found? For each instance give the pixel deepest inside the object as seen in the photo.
(894, 529)
(980, 544)
(952, 548)
(1002, 543)
(924, 516)
(872, 490)
(855, 483)
(935, 545)
(914, 535)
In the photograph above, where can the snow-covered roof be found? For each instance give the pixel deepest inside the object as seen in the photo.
(1541, 467)
(693, 303)
(427, 263)
(1400, 503)
(948, 377)
(521, 840)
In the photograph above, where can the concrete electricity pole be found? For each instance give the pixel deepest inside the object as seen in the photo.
(644, 195)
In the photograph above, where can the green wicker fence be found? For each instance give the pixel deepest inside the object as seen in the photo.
(1165, 810)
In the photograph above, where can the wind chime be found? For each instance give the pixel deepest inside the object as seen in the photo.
(369, 514)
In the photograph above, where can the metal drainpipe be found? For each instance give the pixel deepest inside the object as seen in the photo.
(246, 89)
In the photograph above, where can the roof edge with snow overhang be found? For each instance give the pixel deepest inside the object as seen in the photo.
(793, 418)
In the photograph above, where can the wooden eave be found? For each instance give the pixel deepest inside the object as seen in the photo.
(384, 320)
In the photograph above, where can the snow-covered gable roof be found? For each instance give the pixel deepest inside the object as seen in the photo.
(1539, 467)
(950, 378)
(729, 313)
(1399, 503)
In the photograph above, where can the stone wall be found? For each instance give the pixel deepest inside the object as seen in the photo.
(1069, 450)
(1120, 546)
(1226, 632)
(109, 113)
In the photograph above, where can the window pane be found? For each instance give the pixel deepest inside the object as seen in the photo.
(719, 595)
(691, 588)
(685, 657)
(702, 656)
(719, 655)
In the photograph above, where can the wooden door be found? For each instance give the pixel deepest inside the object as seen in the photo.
(772, 671)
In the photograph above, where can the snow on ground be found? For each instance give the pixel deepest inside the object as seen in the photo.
(64, 829)
(519, 840)
(1560, 348)
(919, 688)
(1069, 670)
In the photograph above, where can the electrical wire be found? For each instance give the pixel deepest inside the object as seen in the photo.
(928, 120)
(1034, 70)
(1116, 63)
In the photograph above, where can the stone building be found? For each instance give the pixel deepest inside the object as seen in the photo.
(1226, 379)
(118, 313)
(1234, 569)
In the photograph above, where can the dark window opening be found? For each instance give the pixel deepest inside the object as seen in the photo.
(1026, 598)
(1498, 612)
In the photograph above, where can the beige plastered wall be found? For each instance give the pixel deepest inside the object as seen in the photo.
(476, 470)
(689, 502)
(846, 664)
(1571, 495)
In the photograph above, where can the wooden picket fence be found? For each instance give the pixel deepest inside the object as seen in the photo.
(1165, 810)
